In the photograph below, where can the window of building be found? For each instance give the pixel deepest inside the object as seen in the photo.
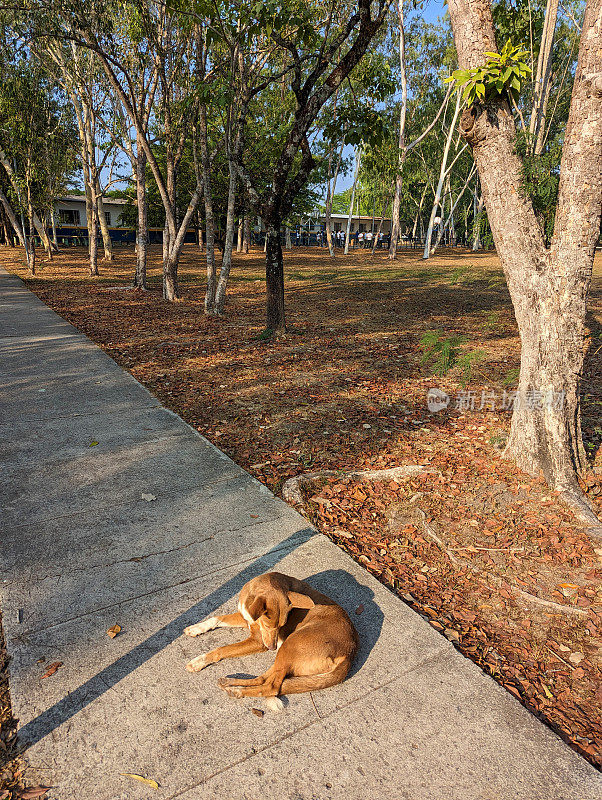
(68, 216)
(108, 218)
(362, 227)
(337, 226)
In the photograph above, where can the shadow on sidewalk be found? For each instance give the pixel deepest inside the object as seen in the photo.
(338, 584)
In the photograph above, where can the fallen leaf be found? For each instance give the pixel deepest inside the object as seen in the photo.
(113, 631)
(92, 444)
(52, 668)
(548, 693)
(576, 658)
(148, 497)
(36, 791)
(359, 609)
(147, 781)
(258, 712)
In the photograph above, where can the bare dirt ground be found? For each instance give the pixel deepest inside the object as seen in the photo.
(487, 554)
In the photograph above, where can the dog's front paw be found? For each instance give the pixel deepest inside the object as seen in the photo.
(201, 627)
(197, 664)
(231, 691)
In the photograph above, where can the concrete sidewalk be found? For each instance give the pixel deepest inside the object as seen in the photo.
(81, 550)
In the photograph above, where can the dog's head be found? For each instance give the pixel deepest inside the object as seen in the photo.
(265, 605)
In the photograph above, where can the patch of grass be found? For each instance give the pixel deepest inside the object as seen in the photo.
(511, 376)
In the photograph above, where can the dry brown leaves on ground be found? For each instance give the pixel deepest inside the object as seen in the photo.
(345, 389)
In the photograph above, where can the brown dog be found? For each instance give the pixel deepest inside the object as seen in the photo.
(314, 637)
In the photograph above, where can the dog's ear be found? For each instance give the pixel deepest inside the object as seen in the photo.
(257, 607)
(298, 600)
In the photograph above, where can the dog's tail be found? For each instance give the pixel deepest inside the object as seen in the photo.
(311, 683)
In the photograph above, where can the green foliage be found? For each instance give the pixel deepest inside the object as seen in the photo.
(442, 353)
(502, 73)
(466, 363)
(445, 353)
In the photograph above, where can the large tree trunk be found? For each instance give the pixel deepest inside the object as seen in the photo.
(274, 274)
(142, 220)
(548, 287)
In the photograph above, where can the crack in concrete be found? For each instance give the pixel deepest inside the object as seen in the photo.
(292, 543)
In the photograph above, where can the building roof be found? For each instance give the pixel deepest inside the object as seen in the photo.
(74, 198)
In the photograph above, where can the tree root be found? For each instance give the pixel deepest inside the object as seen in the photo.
(292, 493)
(495, 579)
(292, 488)
(583, 510)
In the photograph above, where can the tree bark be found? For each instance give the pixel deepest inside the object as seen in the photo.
(224, 273)
(275, 316)
(548, 286)
(12, 218)
(142, 220)
(102, 221)
(246, 242)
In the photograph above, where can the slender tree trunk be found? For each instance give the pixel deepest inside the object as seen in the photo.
(358, 159)
(449, 222)
(478, 218)
(12, 218)
(142, 220)
(102, 220)
(171, 255)
(442, 174)
(239, 236)
(209, 215)
(92, 236)
(15, 184)
(246, 242)
(380, 224)
(401, 150)
(548, 286)
(274, 272)
(287, 239)
(224, 273)
(53, 226)
(537, 123)
(417, 217)
(330, 193)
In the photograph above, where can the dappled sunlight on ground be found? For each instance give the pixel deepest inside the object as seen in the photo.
(345, 388)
